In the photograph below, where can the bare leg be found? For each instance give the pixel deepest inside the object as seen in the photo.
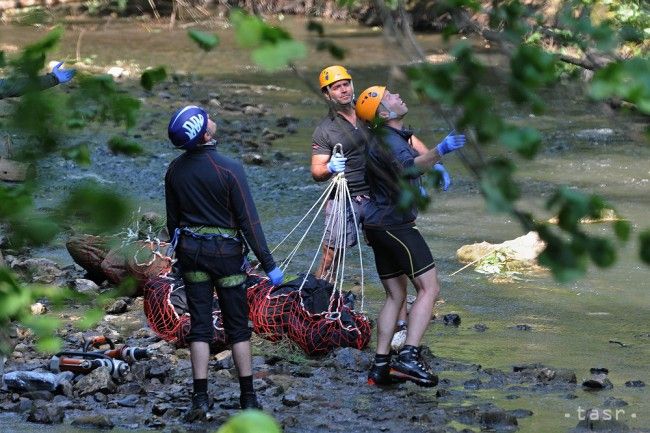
(327, 266)
(200, 355)
(402, 311)
(241, 354)
(395, 295)
(422, 309)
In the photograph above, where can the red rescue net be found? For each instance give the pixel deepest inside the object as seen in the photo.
(276, 313)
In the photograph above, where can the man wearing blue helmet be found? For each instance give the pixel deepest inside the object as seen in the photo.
(212, 215)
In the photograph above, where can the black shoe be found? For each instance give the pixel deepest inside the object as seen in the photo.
(248, 400)
(201, 405)
(408, 366)
(380, 375)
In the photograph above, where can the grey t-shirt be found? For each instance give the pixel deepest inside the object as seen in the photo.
(333, 129)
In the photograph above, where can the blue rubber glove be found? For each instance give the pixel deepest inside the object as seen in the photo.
(450, 143)
(336, 164)
(446, 178)
(276, 276)
(423, 192)
(63, 75)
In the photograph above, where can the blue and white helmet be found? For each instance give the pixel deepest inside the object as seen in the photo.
(187, 127)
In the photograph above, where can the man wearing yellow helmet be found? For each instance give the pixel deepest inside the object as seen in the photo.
(401, 253)
(340, 126)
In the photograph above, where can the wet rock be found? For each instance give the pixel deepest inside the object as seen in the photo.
(87, 287)
(291, 399)
(523, 327)
(480, 327)
(118, 307)
(38, 270)
(39, 395)
(44, 413)
(115, 71)
(38, 309)
(252, 110)
(635, 384)
(159, 370)
(598, 380)
(159, 409)
(497, 419)
(99, 380)
(472, 384)
(31, 381)
(253, 159)
(521, 413)
(100, 397)
(351, 359)
(285, 121)
(600, 134)
(614, 402)
(128, 401)
(93, 421)
(451, 319)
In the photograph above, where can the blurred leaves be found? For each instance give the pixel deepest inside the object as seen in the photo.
(251, 421)
(153, 76)
(205, 41)
(628, 79)
(98, 209)
(118, 144)
(272, 47)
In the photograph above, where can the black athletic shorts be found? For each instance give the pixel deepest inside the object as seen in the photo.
(209, 264)
(399, 250)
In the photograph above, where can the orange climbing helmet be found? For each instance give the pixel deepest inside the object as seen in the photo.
(332, 74)
(369, 101)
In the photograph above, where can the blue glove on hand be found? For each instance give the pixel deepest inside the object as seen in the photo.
(446, 179)
(423, 192)
(276, 276)
(336, 164)
(63, 75)
(450, 143)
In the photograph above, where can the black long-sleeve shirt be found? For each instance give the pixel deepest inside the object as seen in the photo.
(205, 188)
(10, 88)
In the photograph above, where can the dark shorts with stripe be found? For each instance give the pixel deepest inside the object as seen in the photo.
(399, 251)
(208, 265)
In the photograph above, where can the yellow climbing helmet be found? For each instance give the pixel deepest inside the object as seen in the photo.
(332, 74)
(369, 101)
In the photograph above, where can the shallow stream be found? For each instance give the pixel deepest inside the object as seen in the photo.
(572, 325)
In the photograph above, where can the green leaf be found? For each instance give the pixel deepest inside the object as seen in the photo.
(602, 252)
(566, 260)
(151, 77)
(251, 421)
(48, 344)
(79, 154)
(118, 144)
(205, 41)
(622, 230)
(525, 141)
(248, 30)
(3, 62)
(498, 186)
(99, 209)
(313, 26)
(33, 230)
(644, 246)
(279, 55)
(91, 317)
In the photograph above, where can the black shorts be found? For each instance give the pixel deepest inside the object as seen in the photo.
(209, 264)
(399, 251)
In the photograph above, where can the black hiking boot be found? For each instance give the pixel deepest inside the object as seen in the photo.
(409, 366)
(380, 375)
(248, 400)
(200, 409)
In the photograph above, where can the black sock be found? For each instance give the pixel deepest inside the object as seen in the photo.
(200, 385)
(381, 360)
(246, 384)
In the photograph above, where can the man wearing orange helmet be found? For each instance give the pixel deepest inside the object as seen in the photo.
(401, 252)
(340, 126)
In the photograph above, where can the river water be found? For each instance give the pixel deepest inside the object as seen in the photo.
(572, 324)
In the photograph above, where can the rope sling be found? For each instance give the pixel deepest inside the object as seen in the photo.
(337, 226)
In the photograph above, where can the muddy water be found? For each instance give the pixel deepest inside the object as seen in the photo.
(572, 324)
